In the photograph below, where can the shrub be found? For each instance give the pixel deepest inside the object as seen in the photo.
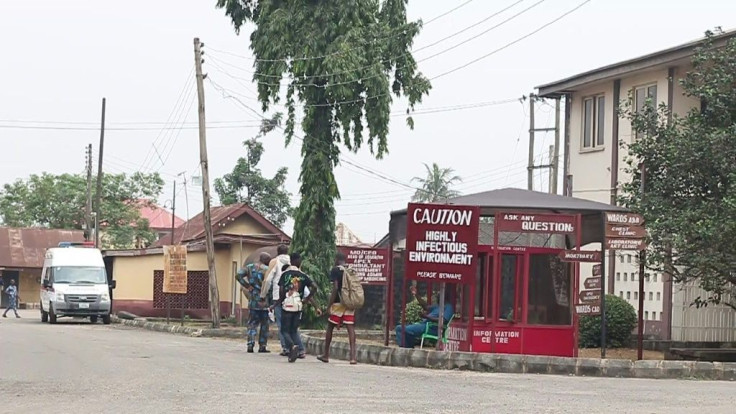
(620, 322)
(414, 312)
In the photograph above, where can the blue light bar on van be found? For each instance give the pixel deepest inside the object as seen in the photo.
(77, 244)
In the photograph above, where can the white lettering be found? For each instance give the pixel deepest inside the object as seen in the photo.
(444, 216)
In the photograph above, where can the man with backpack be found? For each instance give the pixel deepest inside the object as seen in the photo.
(292, 299)
(346, 297)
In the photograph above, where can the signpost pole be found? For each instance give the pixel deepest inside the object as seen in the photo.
(642, 259)
(389, 293)
(403, 313)
(603, 284)
(441, 317)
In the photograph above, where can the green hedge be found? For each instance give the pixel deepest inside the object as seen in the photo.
(620, 322)
(414, 312)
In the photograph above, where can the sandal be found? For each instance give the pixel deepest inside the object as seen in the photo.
(323, 359)
(353, 362)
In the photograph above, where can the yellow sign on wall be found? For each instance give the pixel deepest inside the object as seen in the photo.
(175, 269)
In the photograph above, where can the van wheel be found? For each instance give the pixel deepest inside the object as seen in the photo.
(44, 315)
(93, 319)
(52, 315)
(106, 319)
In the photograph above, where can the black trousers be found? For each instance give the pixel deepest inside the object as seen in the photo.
(290, 327)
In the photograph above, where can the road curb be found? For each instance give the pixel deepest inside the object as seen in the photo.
(469, 361)
(525, 364)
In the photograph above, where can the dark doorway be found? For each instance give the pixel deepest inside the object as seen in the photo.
(8, 275)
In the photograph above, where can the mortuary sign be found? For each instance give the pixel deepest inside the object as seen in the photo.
(442, 242)
(371, 265)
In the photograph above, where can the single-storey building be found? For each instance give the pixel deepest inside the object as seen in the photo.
(22, 251)
(238, 232)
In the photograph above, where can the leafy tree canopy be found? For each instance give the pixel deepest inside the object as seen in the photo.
(58, 201)
(246, 183)
(342, 63)
(689, 201)
(436, 186)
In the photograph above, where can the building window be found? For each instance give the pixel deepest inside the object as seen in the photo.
(644, 95)
(659, 296)
(618, 276)
(594, 114)
(651, 296)
(636, 295)
(628, 258)
(621, 293)
(621, 258)
(646, 315)
(628, 295)
(655, 277)
(626, 277)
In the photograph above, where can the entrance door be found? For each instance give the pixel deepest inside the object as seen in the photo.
(8, 275)
(509, 304)
(510, 288)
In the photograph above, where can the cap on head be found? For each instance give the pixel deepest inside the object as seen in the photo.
(282, 249)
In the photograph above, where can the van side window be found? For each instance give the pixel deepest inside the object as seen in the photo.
(48, 275)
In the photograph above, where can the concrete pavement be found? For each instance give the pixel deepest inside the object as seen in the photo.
(114, 369)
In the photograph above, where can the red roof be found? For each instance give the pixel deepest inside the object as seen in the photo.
(220, 216)
(158, 218)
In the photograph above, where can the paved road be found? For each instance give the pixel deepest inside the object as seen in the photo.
(78, 367)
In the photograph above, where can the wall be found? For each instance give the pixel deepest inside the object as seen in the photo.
(29, 285)
(712, 323)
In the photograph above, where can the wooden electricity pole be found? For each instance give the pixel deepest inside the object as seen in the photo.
(530, 166)
(209, 242)
(555, 161)
(98, 198)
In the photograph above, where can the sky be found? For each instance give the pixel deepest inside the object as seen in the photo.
(61, 58)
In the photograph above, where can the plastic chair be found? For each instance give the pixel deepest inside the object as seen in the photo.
(427, 335)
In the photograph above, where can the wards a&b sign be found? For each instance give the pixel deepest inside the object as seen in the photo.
(441, 242)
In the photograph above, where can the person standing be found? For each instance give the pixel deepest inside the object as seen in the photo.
(292, 300)
(252, 279)
(339, 314)
(273, 276)
(12, 293)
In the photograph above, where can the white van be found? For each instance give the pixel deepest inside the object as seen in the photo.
(74, 283)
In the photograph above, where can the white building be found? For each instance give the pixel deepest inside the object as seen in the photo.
(594, 169)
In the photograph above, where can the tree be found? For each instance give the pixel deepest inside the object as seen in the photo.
(436, 187)
(343, 62)
(57, 201)
(246, 184)
(689, 200)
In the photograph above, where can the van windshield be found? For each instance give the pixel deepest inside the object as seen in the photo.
(79, 274)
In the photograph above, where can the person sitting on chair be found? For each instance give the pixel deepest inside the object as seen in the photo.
(431, 315)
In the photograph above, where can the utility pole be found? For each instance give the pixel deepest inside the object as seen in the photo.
(99, 178)
(553, 157)
(173, 214)
(88, 204)
(209, 242)
(552, 183)
(530, 166)
(556, 158)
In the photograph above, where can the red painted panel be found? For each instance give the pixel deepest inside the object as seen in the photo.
(550, 341)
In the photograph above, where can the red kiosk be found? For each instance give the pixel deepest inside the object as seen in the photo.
(505, 256)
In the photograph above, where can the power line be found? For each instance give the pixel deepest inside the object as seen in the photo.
(539, 29)
(343, 51)
(331, 84)
(342, 160)
(173, 128)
